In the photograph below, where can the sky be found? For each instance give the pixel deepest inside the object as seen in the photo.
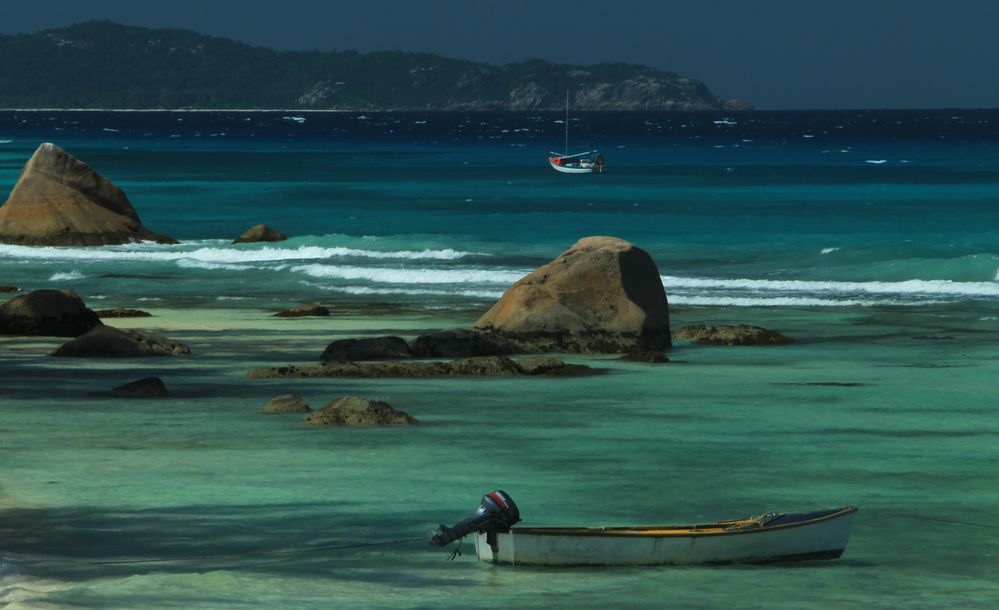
(776, 54)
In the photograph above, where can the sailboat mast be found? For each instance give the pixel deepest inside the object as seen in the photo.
(567, 121)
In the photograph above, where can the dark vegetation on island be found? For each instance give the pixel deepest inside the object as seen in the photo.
(101, 64)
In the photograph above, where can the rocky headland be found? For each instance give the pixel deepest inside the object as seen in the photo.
(171, 68)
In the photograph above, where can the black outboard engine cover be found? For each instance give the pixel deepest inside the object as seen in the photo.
(497, 513)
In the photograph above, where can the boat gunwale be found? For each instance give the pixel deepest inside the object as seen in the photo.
(679, 531)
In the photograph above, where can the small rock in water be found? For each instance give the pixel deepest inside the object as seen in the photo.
(122, 312)
(742, 334)
(260, 233)
(312, 309)
(357, 411)
(650, 357)
(286, 403)
(9, 289)
(148, 387)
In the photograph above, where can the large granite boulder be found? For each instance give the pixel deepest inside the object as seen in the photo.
(741, 334)
(369, 348)
(56, 313)
(357, 411)
(60, 201)
(601, 295)
(110, 342)
(258, 233)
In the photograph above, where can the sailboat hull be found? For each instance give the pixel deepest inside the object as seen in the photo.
(565, 169)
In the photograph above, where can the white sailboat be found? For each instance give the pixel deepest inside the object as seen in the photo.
(580, 163)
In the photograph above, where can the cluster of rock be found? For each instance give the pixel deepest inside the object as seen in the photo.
(344, 411)
(62, 313)
(486, 366)
(602, 295)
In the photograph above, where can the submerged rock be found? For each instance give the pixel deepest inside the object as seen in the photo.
(649, 357)
(601, 295)
(312, 309)
(259, 233)
(122, 312)
(357, 411)
(741, 334)
(370, 348)
(56, 313)
(108, 342)
(490, 366)
(286, 403)
(59, 201)
(148, 387)
(461, 343)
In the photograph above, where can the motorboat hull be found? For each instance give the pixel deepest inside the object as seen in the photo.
(794, 537)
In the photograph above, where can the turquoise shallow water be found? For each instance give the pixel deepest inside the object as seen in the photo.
(885, 273)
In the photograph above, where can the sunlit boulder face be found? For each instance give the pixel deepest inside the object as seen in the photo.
(60, 201)
(601, 295)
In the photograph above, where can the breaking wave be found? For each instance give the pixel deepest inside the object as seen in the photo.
(61, 276)
(905, 288)
(387, 275)
(148, 252)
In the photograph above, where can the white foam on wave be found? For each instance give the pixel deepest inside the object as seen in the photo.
(62, 276)
(905, 287)
(362, 290)
(387, 275)
(208, 254)
(829, 250)
(722, 301)
(6, 141)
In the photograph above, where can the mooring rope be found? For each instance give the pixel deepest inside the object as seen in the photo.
(951, 521)
(314, 549)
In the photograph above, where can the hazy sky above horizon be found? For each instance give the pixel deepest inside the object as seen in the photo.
(774, 53)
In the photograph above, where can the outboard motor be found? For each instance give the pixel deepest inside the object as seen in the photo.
(497, 514)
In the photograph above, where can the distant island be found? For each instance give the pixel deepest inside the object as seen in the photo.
(101, 64)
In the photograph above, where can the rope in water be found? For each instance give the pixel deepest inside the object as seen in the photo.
(314, 549)
(950, 521)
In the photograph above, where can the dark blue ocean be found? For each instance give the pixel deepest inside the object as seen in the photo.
(871, 237)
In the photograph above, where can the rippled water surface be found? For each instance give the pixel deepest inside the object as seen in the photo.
(870, 237)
